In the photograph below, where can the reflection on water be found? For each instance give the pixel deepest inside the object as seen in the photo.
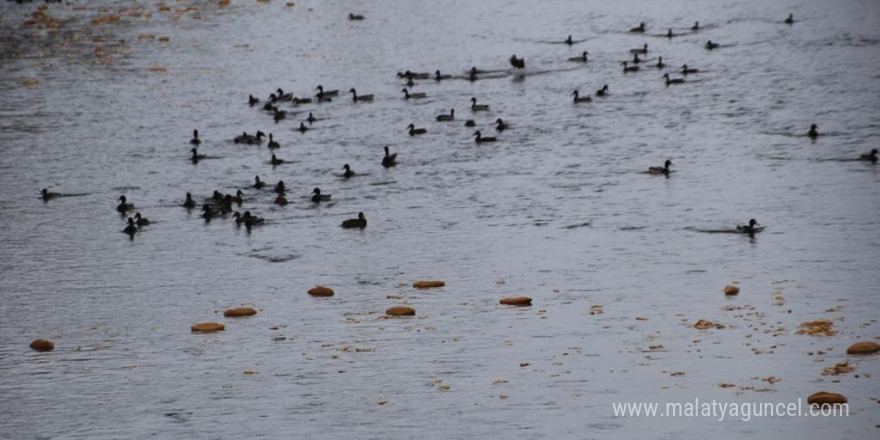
(101, 100)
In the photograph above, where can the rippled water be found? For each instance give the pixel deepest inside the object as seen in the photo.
(559, 209)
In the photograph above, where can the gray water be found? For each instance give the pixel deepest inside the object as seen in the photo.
(559, 208)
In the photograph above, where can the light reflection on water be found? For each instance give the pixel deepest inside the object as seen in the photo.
(559, 209)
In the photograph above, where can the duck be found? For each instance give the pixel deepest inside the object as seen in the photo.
(348, 171)
(195, 140)
(252, 101)
(298, 101)
(670, 80)
(629, 68)
(603, 91)
(669, 33)
(276, 161)
(413, 131)
(814, 132)
(389, 160)
(660, 64)
(280, 200)
(578, 99)
(414, 75)
(322, 92)
(302, 127)
(124, 206)
(501, 125)
(871, 156)
(687, 71)
(478, 108)
(46, 195)
(130, 229)
(355, 17)
(408, 95)
(569, 41)
(196, 157)
(280, 188)
(251, 220)
(696, 26)
(410, 82)
(248, 139)
(279, 115)
(217, 196)
(189, 203)
(480, 138)
(258, 184)
(317, 197)
(639, 28)
(208, 212)
(360, 222)
(790, 19)
(449, 117)
(636, 59)
(238, 198)
(311, 119)
(360, 98)
(710, 45)
(238, 218)
(517, 63)
(283, 96)
(324, 98)
(140, 221)
(470, 123)
(661, 170)
(225, 205)
(272, 143)
(268, 107)
(580, 59)
(439, 77)
(643, 50)
(751, 228)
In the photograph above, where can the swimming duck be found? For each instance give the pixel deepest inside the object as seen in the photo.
(410, 82)
(660, 64)
(603, 91)
(643, 50)
(413, 131)
(268, 107)
(317, 197)
(355, 17)
(238, 198)
(348, 172)
(629, 68)
(276, 161)
(280, 200)
(195, 140)
(569, 41)
(46, 195)
(360, 98)
(636, 59)
(686, 71)
(130, 229)
(696, 26)
(669, 33)
(470, 123)
(580, 59)
(323, 98)
(322, 92)
(790, 19)
(480, 138)
(272, 144)
(579, 99)
(814, 132)
(196, 157)
(298, 101)
(208, 212)
(517, 63)
(478, 108)
(389, 160)
(281, 96)
(302, 127)
(449, 117)
(751, 228)
(251, 220)
(640, 28)
(225, 205)
(238, 218)
(189, 203)
(710, 45)
(360, 222)
(123, 206)
(408, 95)
(140, 221)
(311, 118)
(661, 170)
(252, 101)
(279, 115)
(439, 77)
(672, 80)
(872, 156)
(217, 196)
(413, 75)
(245, 138)
(258, 183)
(501, 125)
(280, 188)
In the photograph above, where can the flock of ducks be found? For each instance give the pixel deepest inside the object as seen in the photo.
(221, 205)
